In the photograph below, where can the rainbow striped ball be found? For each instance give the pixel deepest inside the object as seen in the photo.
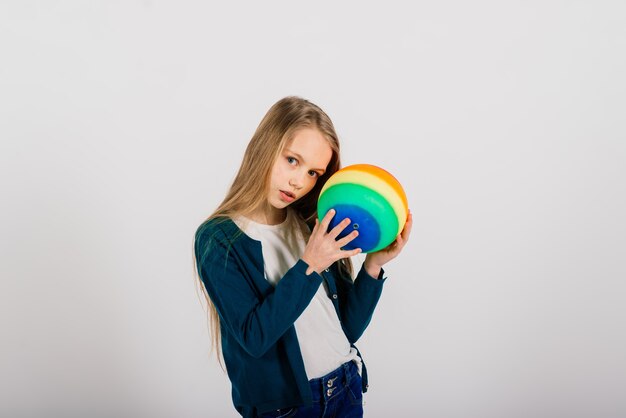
(374, 201)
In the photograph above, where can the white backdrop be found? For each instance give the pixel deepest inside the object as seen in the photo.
(122, 124)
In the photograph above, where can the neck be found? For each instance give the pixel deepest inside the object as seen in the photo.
(269, 215)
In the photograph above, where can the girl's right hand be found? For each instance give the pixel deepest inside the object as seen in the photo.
(323, 249)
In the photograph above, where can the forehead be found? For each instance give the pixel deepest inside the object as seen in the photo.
(312, 147)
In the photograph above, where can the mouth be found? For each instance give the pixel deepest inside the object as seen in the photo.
(287, 196)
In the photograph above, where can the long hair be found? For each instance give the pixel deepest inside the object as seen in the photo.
(249, 189)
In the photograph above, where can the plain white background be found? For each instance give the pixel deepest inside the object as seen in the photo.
(122, 124)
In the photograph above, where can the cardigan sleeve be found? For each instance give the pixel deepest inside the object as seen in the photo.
(357, 301)
(255, 322)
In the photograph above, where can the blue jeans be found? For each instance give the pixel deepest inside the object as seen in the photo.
(338, 394)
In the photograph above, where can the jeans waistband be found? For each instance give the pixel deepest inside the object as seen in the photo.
(326, 387)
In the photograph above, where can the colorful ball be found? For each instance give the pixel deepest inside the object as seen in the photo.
(374, 201)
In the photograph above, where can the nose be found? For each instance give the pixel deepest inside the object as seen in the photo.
(294, 183)
(296, 180)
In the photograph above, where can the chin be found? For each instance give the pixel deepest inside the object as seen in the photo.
(279, 204)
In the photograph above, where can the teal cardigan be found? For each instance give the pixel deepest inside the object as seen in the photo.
(259, 342)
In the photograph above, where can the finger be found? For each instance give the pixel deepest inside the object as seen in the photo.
(351, 253)
(338, 229)
(345, 240)
(316, 226)
(327, 218)
(400, 241)
(406, 231)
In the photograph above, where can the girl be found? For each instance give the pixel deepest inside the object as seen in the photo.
(280, 289)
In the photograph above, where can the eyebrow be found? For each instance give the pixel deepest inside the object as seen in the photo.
(298, 156)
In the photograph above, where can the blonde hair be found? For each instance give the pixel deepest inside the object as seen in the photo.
(248, 191)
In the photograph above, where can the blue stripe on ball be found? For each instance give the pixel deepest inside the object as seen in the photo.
(369, 230)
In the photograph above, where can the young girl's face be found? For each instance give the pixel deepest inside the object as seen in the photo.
(300, 164)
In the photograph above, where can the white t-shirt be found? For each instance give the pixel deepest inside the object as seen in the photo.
(323, 344)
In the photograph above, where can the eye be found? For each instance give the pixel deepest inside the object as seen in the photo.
(291, 160)
(314, 174)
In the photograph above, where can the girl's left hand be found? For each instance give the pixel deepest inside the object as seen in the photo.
(375, 261)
